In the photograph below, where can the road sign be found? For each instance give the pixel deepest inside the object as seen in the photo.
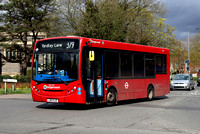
(10, 80)
(187, 61)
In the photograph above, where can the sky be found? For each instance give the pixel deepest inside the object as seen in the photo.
(184, 15)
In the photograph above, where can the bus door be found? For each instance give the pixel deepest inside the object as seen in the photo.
(95, 82)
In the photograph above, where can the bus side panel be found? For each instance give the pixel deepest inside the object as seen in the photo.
(137, 88)
(163, 80)
(162, 86)
(129, 88)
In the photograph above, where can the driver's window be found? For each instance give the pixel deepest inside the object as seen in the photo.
(41, 63)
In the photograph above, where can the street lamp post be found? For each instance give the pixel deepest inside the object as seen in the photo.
(188, 53)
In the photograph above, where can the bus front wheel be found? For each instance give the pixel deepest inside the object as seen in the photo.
(150, 93)
(111, 97)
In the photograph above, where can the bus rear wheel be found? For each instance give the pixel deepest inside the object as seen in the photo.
(150, 93)
(111, 97)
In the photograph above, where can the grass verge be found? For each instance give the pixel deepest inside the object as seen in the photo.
(16, 91)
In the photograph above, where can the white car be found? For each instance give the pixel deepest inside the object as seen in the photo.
(182, 81)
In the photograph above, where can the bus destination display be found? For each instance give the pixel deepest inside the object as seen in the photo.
(57, 45)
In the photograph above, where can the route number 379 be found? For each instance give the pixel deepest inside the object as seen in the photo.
(70, 45)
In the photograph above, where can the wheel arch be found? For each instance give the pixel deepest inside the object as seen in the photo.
(150, 86)
(113, 87)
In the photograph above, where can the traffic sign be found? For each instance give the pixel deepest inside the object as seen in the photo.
(187, 61)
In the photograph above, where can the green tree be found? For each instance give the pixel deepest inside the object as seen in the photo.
(195, 51)
(70, 13)
(136, 21)
(102, 21)
(21, 19)
(90, 23)
(177, 56)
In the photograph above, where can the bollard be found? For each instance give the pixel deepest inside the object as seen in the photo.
(13, 87)
(5, 87)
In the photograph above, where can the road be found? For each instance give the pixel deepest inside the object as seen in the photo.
(177, 112)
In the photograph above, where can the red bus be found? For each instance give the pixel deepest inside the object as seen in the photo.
(85, 71)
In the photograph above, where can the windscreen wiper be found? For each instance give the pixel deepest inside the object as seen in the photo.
(61, 80)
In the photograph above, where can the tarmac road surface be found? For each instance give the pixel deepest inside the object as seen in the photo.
(177, 112)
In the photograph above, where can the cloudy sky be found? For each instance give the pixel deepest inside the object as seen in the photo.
(184, 15)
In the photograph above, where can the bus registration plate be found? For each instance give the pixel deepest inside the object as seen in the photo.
(52, 100)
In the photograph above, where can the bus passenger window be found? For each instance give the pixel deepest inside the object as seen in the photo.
(161, 64)
(139, 65)
(149, 65)
(126, 64)
(112, 64)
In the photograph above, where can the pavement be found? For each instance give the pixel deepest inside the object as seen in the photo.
(15, 96)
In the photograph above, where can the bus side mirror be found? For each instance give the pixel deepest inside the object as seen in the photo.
(91, 55)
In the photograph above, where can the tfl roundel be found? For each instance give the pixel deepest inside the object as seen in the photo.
(45, 87)
(126, 85)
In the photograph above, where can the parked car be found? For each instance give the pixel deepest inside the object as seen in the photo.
(198, 81)
(182, 81)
